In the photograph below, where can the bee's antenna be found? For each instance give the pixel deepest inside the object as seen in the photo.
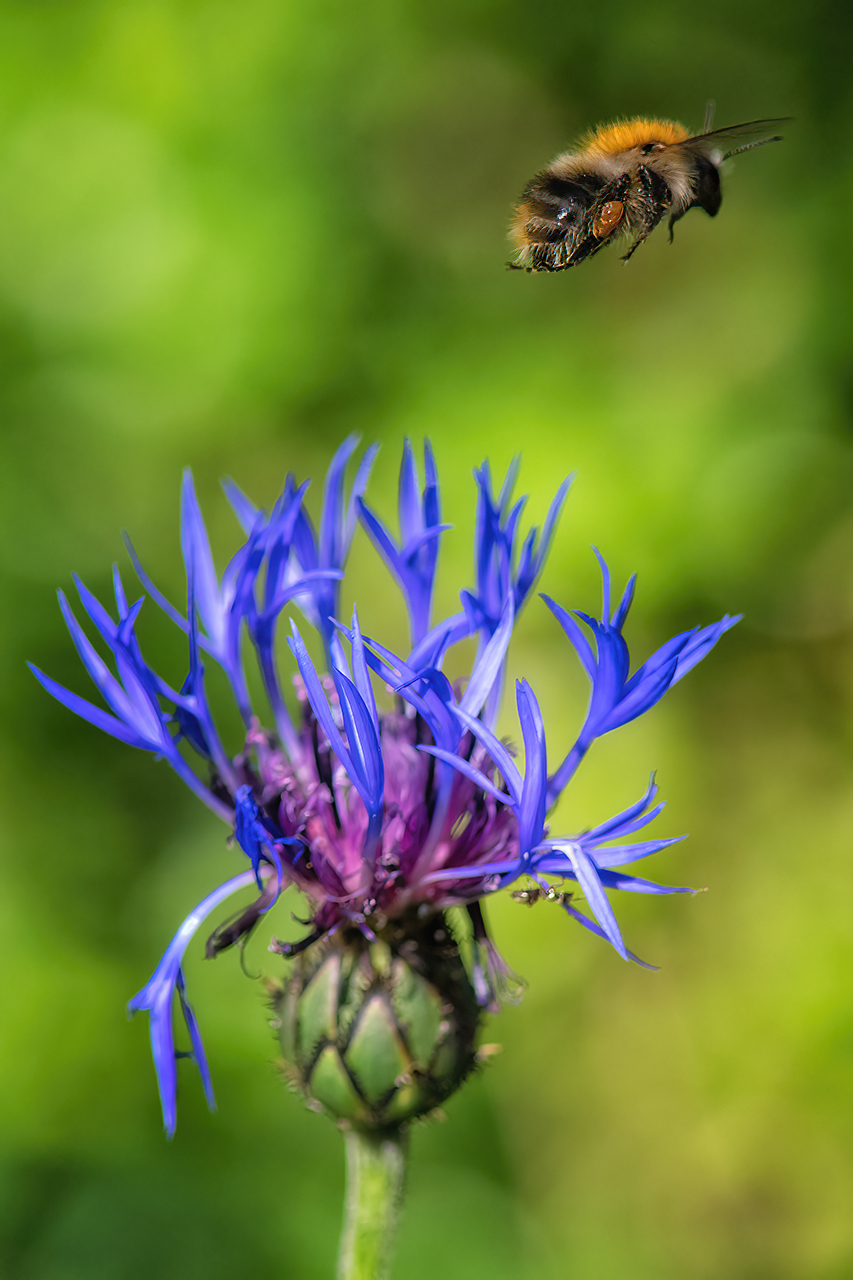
(747, 146)
(710, 108)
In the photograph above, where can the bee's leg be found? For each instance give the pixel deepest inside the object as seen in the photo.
(586, 249)
(616, 190)
(655, 199)
(626, 257)
(607, 213)
(603, 220)
(676, 217)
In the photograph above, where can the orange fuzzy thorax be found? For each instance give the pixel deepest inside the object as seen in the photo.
(623, 135)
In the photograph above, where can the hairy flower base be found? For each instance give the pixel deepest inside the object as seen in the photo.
(379, 1033)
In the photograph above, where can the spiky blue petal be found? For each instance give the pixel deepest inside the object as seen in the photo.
(361, 756)
(615, 697)
(138, 718)
(413, 561)
(157, 998)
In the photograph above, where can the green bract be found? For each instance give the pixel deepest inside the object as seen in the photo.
(380, 1032)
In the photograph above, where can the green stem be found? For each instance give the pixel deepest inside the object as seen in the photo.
(375, 1166)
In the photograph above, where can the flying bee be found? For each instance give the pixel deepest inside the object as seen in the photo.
(620, 182)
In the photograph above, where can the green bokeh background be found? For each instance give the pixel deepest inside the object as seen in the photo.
(229, 235)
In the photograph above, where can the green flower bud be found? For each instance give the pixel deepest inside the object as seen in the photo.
(380, 1032)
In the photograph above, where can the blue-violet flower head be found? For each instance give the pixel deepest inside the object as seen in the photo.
(374, 811)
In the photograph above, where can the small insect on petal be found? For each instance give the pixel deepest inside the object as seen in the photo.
(608, 217)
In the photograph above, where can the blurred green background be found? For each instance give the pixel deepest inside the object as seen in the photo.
(229, 235)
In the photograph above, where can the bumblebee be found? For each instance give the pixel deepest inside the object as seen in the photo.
(623, 179)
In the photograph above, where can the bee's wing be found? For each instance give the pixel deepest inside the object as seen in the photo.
(736, 137)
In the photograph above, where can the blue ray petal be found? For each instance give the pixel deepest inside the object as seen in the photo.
(599, 933)
(157, 997)
(475, 775)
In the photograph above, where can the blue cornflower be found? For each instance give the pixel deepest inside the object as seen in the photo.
(373, 811)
